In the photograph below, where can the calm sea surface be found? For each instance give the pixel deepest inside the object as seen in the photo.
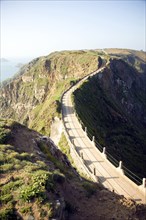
(11, 67)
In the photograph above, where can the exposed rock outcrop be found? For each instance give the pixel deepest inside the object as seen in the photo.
(112, 105)
(34, 87)
(127, 87)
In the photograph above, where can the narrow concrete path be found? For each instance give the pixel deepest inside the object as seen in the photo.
(110, 176)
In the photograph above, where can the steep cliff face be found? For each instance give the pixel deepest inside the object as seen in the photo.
(127, 87)
(137, 59)
(31, 96)
(112, 105)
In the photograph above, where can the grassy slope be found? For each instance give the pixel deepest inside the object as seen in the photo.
(27, 182)
(32, 184)
(53, 73)
(71, 66)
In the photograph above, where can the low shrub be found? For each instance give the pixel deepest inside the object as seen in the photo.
(26, 209)
(30, 192)
(41, 164)
(6, 198)
(24, 156)
(39, 182)
(89, 187)
(4, 135)
(58, 177)
(11, 186)
(43, 213)
(2, 158)
(6, 167)
(7, 212)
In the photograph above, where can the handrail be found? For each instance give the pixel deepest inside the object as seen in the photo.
(111, 158)
(114, 161)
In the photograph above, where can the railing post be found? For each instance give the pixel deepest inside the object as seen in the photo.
(86, 130)
(144, 182)
(120, 167)
(104, 152)
(82, 155)
(120, 164)
(94, 171)
(93, 139)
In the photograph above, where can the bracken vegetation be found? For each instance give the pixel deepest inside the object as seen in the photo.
(26, 182)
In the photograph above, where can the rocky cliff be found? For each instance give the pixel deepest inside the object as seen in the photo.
(116, 98)
(112, 105)
(37, 180)
(127, 87)
(32, 97)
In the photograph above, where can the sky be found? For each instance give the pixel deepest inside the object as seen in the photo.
(35, 28)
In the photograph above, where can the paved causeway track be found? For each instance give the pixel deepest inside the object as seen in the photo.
(96, 162)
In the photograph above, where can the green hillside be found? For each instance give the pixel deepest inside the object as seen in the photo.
(33, 96)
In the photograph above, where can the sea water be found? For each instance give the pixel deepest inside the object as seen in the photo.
(9, 67)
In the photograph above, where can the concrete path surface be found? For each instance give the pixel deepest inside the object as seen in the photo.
(110, 176)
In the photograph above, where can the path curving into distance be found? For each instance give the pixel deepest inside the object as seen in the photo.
(96, 162)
